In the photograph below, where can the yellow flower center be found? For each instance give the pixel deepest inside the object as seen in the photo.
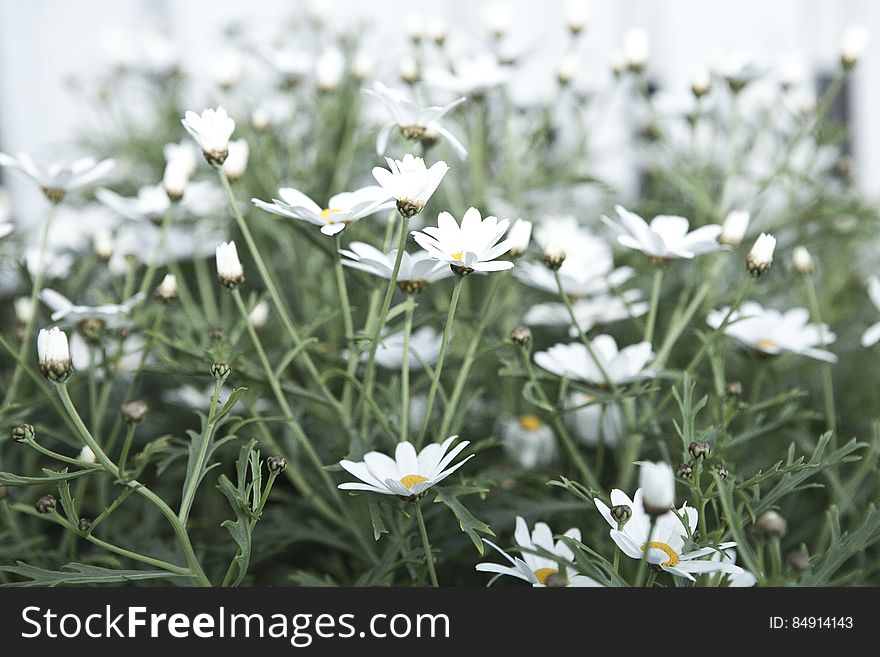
(458, 255)
(325, 214)
(664, 547)
(530, 422)
(411, 480)
(766, 344)
(543, 573)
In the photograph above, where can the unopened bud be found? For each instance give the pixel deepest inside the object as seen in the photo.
(699, 449)
(134, 411)
(23, 433)
(803, 261)
(276, 463)
(46, 504)
(770, 524)
(554, 256)
(733, 389)
(621, 513)
(799, 560)
(684, 471)
(167, 290)
(220, 371)
(556, 580)
(761, 256)
(721, 470)
(521, 335)
(84, 524)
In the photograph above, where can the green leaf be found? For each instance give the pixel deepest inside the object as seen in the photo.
(468, 523)
(244, 499)
(78, 574)
(376, 518)
(10, 479)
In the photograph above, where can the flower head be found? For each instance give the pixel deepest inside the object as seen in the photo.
(528, 441)
(229, 270)
(417, 270)
(665, 238)
(180, 165)
(236, 162)
(341, 210)
(734, 228)
(410, 182)
(415, 122)
(108, 315)
(761, 256)
(802, 261)
(211, 129)
(772, 332)
(853, 44)
(424, 348)
(665, 547)
(150, 204)
(519, 236)
(408, 475)
(575, 361)
(537, 569)
(53, 354)
(57, 180)
(590, 312)
(167, 289)
(472, 246)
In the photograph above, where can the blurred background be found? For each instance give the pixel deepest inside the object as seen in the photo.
(50, 52)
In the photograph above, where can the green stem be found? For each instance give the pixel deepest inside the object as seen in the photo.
(126, 447)
(195, 568)
(655, 300)
(426, 545)
(404, 372)
(438, 370)
(827, 380)
(147, 282)
(307, 361)
(347, 322)
(370, 369)
(189, 494)
(39, 277)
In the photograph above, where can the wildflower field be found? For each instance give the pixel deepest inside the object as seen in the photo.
(322, 313)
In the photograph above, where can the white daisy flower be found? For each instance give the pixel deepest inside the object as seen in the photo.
(408, 475)
(872, 335)
(473, 246)
(538, 570)
(53, 354)
(761, 255)
(342, 209)
(636, 48)
(853, 43)
(230, 272)
(595, 423)
(667, 540)
(58, 179)
(150, 204)
(603, 309)
(772, 332)
(329, 69)
(734, 227)
(414, 121)
(657, 483)
(417, 270)
(424, 347)
(665, 238)
(519, 237)
(211, 129)
(471, 75)
(110, 315)
(574, 361)
(410, 182)
(528, 441)
(743, 579)
(579, 278)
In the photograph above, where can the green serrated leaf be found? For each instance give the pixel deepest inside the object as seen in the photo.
(78, 574)
(468, 523)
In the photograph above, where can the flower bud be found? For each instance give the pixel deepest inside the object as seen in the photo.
(220, 371)
(86, 455)
(23, 433)
(497, 18)
(133, 411)
(577, 14)
(260, 119)
(24, 310)
(799, 560)
(721, 470)
(329, 70)
(236, 162)
(699, 449)
(684, 471)
(853, 44)
(733, 389)
(621, 513)
(701, 83)
(734, 227)
(409, 70)
(556, 580)
(519, 236)
(437, 30)
(216, 334)
(658, 487)
(802, 260)
(521, 335)
(53, 353)
(167, 289)
(554, 255)
(276, 463)
(103, 245)
(568, 68)
(770, 524)
(229, 270)
(84, 524)
(761, 256)
(46, 504)
(636, 49)
(259, 315)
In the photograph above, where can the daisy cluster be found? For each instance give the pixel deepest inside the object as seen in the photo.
(333, 308)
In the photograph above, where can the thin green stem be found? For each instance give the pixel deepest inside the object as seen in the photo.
(189, 494)
(426, 545)
(404, 372)
(149, 275)
(126, 447)
(39, 277)
(827, 380)
(438, 370)
(347, 323)
(659, 270)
